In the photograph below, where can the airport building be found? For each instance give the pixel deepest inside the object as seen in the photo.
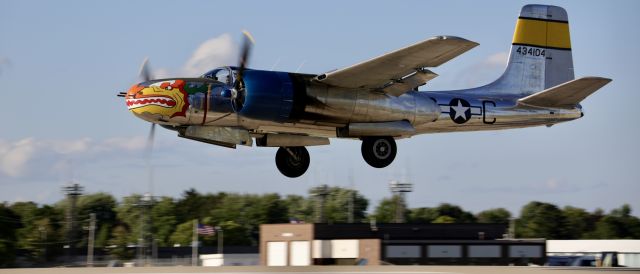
(594, 252)
(398, 244)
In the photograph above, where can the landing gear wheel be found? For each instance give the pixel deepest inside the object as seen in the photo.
(292, 161)
(378, 152)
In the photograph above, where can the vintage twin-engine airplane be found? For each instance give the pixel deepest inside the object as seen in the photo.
(376, 101)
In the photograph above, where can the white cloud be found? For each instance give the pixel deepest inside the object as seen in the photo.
(485, 71)
(70, 146)
(18, 158)
(497, 60)
(552, 184)
(14, 157)
(124, 143)
(215, 52)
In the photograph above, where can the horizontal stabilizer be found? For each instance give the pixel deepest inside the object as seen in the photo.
(566, 95)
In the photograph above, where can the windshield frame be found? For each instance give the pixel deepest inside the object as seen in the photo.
(231, 76)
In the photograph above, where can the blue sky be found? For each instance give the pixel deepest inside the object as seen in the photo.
(62, 62)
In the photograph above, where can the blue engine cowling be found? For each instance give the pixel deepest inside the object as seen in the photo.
(269, 96)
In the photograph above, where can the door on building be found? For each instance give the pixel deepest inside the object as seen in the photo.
(276, 253)
(300, 254)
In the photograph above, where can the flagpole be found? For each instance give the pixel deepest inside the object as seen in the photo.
(220, 239)
(194, 244)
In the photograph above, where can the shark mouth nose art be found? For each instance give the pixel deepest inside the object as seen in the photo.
(165, 102)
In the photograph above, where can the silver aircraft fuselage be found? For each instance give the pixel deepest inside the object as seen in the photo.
(427, 111)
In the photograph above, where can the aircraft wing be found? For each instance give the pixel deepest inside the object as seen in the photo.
(402, 70)
(565, 95)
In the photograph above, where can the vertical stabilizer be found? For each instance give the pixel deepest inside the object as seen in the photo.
(540, 56)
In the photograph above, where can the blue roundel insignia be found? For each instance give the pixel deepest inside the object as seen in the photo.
(459, 110)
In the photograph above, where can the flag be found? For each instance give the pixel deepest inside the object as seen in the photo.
(206, 230)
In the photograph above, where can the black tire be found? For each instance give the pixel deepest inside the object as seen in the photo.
(290, 165)
(378, 152)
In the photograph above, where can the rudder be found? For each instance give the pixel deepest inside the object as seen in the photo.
(540, 56)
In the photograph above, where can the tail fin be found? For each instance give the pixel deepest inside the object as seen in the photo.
(540, 55)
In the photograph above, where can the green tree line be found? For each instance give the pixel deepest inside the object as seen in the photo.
(169, 221)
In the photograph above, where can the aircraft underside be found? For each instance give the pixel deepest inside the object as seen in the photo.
(458, 111)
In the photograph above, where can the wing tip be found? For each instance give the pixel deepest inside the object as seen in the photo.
(458, 38)
(598, 78)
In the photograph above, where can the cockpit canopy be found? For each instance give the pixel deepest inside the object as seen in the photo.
(225, 75)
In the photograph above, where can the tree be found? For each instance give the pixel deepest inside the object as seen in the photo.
(119, 241)
(9, 224)
(541, 220)
(386, 210)
(103, 205)
(495, 215)
(337, 202)
(156, 216)
(193, 205)
(41, 228)
(129, 213)
(163, 219)
(266, 209)
(250, 211)
(454, 214)
(234, 234)
(422, 215)
(578, 222)
(444, 219)
(618, 224)
(183, 235)
(299, 208)
(27, 234)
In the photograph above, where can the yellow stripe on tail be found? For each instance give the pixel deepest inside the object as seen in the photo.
(542, 33)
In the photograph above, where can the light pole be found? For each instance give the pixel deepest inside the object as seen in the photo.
(321, 194)
(194, 244)
(399, 189)
(92, 234)
(220, 239)
(512, 228)
(43, 238)
(72, 191)
(352, 193)
(144, 203)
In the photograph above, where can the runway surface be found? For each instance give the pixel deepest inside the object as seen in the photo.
(324, 269)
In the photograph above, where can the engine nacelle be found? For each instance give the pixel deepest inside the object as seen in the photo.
(269, 96)
(343, 106)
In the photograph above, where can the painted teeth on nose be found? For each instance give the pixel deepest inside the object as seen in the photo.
(163, 102)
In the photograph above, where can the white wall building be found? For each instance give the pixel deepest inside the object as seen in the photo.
(229, 259)
(628, 250)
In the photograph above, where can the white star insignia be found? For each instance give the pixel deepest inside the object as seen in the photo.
(460, 110)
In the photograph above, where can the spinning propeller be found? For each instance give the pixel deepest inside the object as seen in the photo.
(237, 96)
(145, 75)
(238, 92)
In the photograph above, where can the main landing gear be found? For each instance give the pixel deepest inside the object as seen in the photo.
(292, 161)
(378, 152)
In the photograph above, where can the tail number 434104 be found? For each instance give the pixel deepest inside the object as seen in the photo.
(530, 51)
